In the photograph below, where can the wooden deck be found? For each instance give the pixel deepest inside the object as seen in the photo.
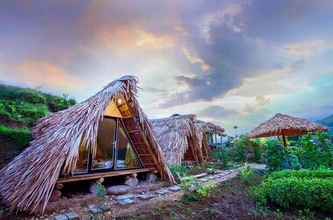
(93, 176)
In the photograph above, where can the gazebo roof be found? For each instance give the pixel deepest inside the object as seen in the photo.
(285, 125)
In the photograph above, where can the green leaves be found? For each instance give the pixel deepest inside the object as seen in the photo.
(300, 189)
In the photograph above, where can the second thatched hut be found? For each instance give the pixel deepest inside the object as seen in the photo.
(183, 138)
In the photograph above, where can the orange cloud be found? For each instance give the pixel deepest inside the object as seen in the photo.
(39, 73)
(121, 40)
(192, 58)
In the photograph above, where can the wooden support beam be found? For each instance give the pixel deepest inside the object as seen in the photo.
(94, 176)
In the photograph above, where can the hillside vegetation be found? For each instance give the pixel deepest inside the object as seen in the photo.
(20, 108)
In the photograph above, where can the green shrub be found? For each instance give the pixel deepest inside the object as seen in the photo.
(302, 174)
(21, 136)
(179, 171)
(20, 112)
(274, 155)
(293, 192)
(194, 191)
(238, 149)
(220, 155)
(247, 175)
(56, 103)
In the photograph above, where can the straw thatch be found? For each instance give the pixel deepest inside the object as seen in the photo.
(180, 134)
(28, 181)
(206, 129)
(285, 125)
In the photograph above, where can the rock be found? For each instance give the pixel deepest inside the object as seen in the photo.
(125, 199)
(162, 192)
(72, 216)
(132, 181)
(151, 178)
(175, 188)
(146, 196)
(93, 209)
(60, 217)
(127, 196)
(118, 190)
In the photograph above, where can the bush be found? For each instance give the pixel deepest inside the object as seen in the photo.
(247, 175)
(220, 155)
(238, 149)
(302, 193)
(194, 191)
(274, 155)
(302, 174)
(21, 136)
(315, 151)
(179, 171)
(56, 103)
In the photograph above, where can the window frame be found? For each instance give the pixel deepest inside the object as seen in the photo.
(91, 170)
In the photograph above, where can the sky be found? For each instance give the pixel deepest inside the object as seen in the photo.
(234, 63)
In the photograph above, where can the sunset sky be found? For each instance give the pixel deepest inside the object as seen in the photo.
(231, 62)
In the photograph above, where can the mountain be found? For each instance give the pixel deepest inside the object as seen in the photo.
(328, 122)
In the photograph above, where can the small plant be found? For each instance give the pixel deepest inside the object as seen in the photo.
(179, 171)
(100, 190)
(205, 191)
(194, 191)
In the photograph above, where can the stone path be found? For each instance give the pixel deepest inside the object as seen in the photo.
(129, 203)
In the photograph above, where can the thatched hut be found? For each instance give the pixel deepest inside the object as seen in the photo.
(285, 126)
(208, 135)
(106, 135)
(183, 138)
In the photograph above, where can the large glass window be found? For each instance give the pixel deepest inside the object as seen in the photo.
(126, 157)
(113, 146)
(105, 142)
(83, 161)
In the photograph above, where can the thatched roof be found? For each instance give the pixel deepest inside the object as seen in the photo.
(285, 125)
(28, 181)
(209, 127)
(178, 133)
(174, 134)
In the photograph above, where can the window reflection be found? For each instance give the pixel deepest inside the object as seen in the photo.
(82, 162)
(126, 157)
(105, 139)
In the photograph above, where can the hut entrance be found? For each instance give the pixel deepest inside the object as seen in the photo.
(114, 150)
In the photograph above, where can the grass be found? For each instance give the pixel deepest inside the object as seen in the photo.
(21, 136)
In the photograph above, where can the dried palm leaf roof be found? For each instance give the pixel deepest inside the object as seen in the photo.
(285, 125)
(28, 181)
(209, 127)
(173, 134)
(178, 133)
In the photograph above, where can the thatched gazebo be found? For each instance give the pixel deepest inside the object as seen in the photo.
(69, 146)
(183, 138)
(282, 125)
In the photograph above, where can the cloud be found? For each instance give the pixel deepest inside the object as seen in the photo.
(42, 74)
(194, 59)
(217, 112)
(307, 49)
